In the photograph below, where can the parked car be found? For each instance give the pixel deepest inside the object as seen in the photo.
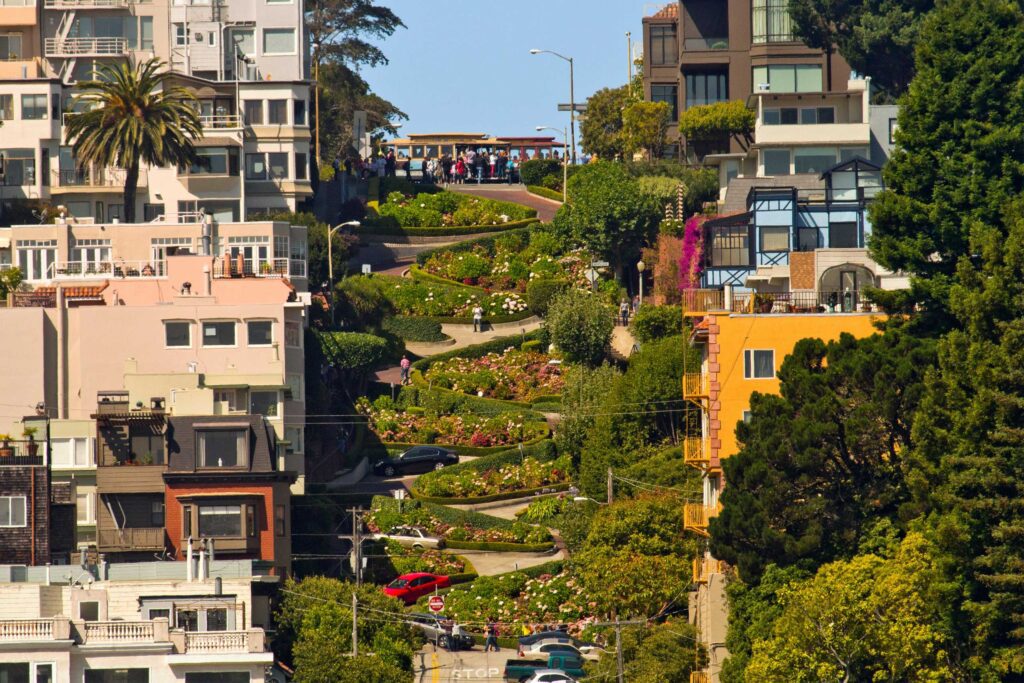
(559, 634)
(559, 662)
(410, 587)
(433, 629)
(546, 647)
(411, 537)
(549, 676)
(416, 459)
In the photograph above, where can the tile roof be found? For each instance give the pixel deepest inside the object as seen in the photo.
(667, 12)
(87, 292)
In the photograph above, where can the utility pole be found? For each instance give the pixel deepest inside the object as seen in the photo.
(357, 545)
(355, 631)
(618, 648)
(611, 487)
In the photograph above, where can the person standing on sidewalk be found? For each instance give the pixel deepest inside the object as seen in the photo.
(478, 319)
(491, 632)
(404, 366)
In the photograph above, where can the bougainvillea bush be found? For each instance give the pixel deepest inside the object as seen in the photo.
(394, 425)
(509, 375)
(522, 476)
(410, 297)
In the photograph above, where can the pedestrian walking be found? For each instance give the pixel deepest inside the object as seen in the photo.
(404, 365)
(457, 635)
(491, 632)
(624, 313)
(478, 319)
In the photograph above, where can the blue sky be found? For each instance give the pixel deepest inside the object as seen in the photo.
(464, 65)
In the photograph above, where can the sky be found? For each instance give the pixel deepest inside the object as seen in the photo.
(464, 65)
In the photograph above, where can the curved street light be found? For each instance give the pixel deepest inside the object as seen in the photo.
(330, 265)
(565, 159)
(572, 96)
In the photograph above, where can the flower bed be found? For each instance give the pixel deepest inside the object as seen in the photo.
(454, 526)
(447, 209)
(509, 375)
(406, 561)
(544, 510)
(394, 425)
(529, 474)
(410, 297)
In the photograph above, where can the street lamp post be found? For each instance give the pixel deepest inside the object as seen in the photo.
(572, 96)
(640, 266)
(565, 160)
(330, 265)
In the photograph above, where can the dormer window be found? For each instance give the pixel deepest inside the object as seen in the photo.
(218, 448)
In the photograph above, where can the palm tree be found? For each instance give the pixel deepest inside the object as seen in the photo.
(130, 114)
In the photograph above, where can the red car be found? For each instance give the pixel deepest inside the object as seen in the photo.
(409, 587)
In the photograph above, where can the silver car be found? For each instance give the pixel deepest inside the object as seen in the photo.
(411, 537)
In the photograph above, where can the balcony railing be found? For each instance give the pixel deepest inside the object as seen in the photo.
(695, 385)
(700, 677)
(216, 641)
(701, 301)
(704, 567)
(229, 267)
(704, 44)
(99, 270)
(695, 451)
(131, 539)
(26, 629)
(107, 177)
(696, 516)
(222, 122)
(119, 631)
(81, 47)
(800, 302)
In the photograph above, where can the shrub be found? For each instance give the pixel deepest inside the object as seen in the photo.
(655, 322)
(362, 302)
(352, 350)
(532, 172)
(532, 345)
(661, 189)
(539, 294)
(580, 327)
(414, 329)
(447, 209)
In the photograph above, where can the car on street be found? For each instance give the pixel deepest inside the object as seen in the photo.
(564, 663)
(432, 626)
(410, 587)
(415, 460)
(543, 647)
(410, 537)
(549, 676)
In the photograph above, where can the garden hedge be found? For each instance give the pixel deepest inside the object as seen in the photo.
(543, 451)
(446, 402)
(541, 432)
(424, 256)
(480, 500)
(541, 191)
(414, 329)
(475, 351)
(443, 231)
(500, 547)
(417, 273)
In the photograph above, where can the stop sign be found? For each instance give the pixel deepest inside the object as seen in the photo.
(436, 603)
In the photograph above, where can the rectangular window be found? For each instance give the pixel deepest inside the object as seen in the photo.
(782, 78)
(301, 166)
(706, 88)
(814, 159)
(160, 614)
(807, 239)
(217, 619)
(222, 448)
(10, 46)
(12, 511)
(842, 236)
(293, 333)
(250, 520)
(893, 126)
(177, 334)
(253, 112)
(294, 380)
(147, 445)
(770, 22)
(277, 112)
(776, 161)
(156, 513)
(6, 107)
(664, 50)
(220, 520)
(71, 452)
(260, 332)
(215, 161)
(89, 610)
(278, 41)
(774, 239)
(85, 512)
(758, 364)
(730, 246)
(263, 403)
(186, 520)
(280, 517)
(117, 676)
(188, 619)
(145, 33)
(219, 333)
(278, 165)
(813, 115)
(669, 94)
(256, 166)
(33, 107)
(180, 36)
(298, 112)
(295, 436)
(746, 416)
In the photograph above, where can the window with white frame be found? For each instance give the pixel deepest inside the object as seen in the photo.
(280, 246)
(277, 112)
(278, 41)
(177, 334)
(12, 511)
(758, 364)
(27, 672)
(6, 107)
(260, 332)
(228, 400)
(220, 520)
(72, 451)
(221, 447)
(219, 333)
(85, 508)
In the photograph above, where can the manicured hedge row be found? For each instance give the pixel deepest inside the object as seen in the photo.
(421, 382)
(468, 245)
(443, 231)
(446, 401)
(476, 350)
(544, 451)
(544, 192)
(421, 275)
(500, 547)
(414, 329)
(541, 431)
(480, 500)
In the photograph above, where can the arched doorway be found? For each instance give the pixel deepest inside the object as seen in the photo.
(840, 286)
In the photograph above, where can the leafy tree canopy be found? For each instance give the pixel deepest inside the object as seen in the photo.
(875, 37)
(709, 122)
(580, 326)
(644, 125)
(601, 129)
(662, 653)
(824, 456)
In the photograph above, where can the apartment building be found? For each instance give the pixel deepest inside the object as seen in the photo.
(151, 622)
(699, 52)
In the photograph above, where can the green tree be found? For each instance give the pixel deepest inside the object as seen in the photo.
(580, 327)
(656, 322)
(361, 302)
(960, 158)
(709, 126)
(129, 114)
(658, 653)
(601, 129)
(644, 125)
(10, 280)
(823, 457)
(866, 619)
(607, 213)
(875, 37)
(342, 94)
(584, 391)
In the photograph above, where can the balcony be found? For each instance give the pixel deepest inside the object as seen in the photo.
(102, 270)
(87, 4)
(27, 630)
(765, 303)
(85, 47)
(696, 516)
(114, 540)
(700, 677)
(238, 267)
(12, 69)
(696, 452)
(221, 122)
(112, 179)
(695, 385)
(699, 302)
(96, 632)
(704, 567)
(705, 44)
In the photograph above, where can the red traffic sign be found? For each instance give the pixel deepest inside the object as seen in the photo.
(436, 603)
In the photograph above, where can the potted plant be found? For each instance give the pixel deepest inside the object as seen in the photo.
(6, 449)
(30, 434)
(763, 303)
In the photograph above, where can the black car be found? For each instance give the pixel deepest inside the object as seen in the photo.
(416, 459)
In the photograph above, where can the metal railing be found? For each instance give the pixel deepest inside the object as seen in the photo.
(200, 642)
(118, 631)
(131, 539)
(700, 677)
(695, 385)
(105, 177)
(93, 270)
(22, 453)
(695, 451)
(704, 44)
(26, 629)
(228, 267)
(700, 301)
(71, 47)
(799, 302)
(704, 567)
(696, 516)
(85, 4)
(221, 121)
